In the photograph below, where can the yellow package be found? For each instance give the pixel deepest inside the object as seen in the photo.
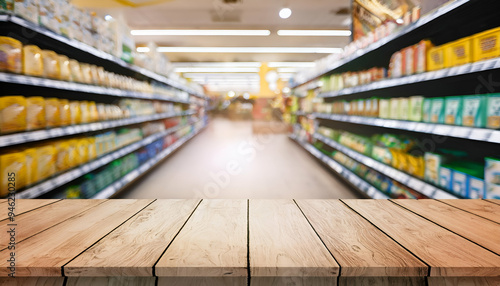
(31, 166)
(12, 114)
(101, 76)
(94, 115)
(94, 75)
(45, 166)
(86, 74)
(73, 157)
(12, 172)
(84, 111)
(82, 151)
(75, 112)
(76, 71)
(52, 112)
(51, 68)
(10, 51)
(435, 58)
(64, 112)
(486, 45)
(64, 67)
(35, 117)
(62, 156)
(32, 60)
(92, 152)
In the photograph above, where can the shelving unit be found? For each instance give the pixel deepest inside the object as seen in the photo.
(405, 179)
(342, 171)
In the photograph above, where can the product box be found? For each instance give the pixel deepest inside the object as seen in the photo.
(435, 58)
(416, 106)
(396, 65)
(46, 165)
(474, 111)
(445, 177)
(65, 72)
(460, 183)
(51, 68)
(458, 52)
(12, 163)
(35, 115)
(52, 112)
(409, 54)
(32, 60)
(426, 110)
(394, 110)
(477, 189)
(437, 110)
(31, 166)
(12, 114)
(493, 111)
(492, 171)
(432, 167)
(492, 191)
(486, 45)
(404, 108)
(374, 107)
(421, 50)
(453, 110)
(11, 59)
(384, 108)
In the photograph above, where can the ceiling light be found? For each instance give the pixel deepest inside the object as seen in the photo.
(291, 64)
(285, 13)
(330, 33)
(231, 93)
(218, 64)
(209, 70)
(221, 75)
(108, 18)
(142, 49)
(251, 50)
(200, 32)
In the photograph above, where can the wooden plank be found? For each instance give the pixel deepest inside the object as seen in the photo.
(477, 229)
(445, 252)
(497, 202)
(291, 280)
(213, 243)
(283, 244)
(38, 220)
(133, 248)
(201, 281)
(32, 281)
(463, 281)
(479, 207)
(44, 254)
(359, 247)
(111, 281)
(382, 281)
(25, 205)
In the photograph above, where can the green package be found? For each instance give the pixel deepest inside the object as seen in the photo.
(426, 110)
(394, 108)
(404, 108)
(437, 110)
(493, 111)
(453, 110)
(416, 105)
(384, 107)
(474, 111)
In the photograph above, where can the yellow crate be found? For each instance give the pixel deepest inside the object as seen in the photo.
(435, 58)
(486, 45)
(458, 52)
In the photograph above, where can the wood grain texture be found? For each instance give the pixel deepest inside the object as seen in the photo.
(25, 205)
(463, 281)
(111, 281)
(477, 229)
(293, 281)
(283, 244)
(44, 254)
(213, 243)
(497, 202)
(201, 281)
(382, 281)
(32, 281)
(40, 219)
(447, 253)
(478, 207)
(134, 247)
(359, 247)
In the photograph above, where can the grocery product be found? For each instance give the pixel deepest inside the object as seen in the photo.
(32, 60)
(64, 112)
(404, 109)
(476, 188)
(35, 115)
(394, 110)
(415, 109)
(437, 110)
(86, 73)
(384, 108)
(51, 67)
(460, 183)
(426, 110)
(396, 68)
(52, 112)
(12, 114)
(492, 171)
(12, 165)
(10, 55)
(46, 164)
(453, 110)
(493, 111)
(84, 112)
(75, 112)
(432, 167)
(31, 165)
(421, 50)
(409, 54)
(458, 52)
(75, 70)
(27, 9)
(474, 111)
(65, 71)
(486, 45)
(62, 155)
(435, 58)
(492, 191)
(445, 177)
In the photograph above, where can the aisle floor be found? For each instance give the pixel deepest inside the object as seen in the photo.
(228, 161)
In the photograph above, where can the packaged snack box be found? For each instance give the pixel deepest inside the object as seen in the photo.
(52, 112)
(10, 55)
(32, 60)
(12, 114)
(51, 67)
(493, 111)
(12, 165)
(474, 111)
(35, 114)
(426, 110)
(416, 108)
(437, 111)
(453, 110)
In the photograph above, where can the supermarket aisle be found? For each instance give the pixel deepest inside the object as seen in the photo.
(228, 161)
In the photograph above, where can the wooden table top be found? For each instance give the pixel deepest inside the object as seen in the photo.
(266, 242)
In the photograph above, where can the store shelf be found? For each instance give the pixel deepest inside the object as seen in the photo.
(32, 136)
(488, 65)
(79, 87)
(410, 181)
(470, 133)
(403, 35)
(68, 176)
(42, 34)
(361, 184)
(135, 174)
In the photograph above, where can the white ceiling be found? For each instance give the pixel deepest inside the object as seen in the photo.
(250, 14)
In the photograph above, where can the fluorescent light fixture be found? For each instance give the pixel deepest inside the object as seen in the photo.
(216, 70)
(143, 50)
(287, 70)
(200, 32)
(250, 50)
(326, 33)
(219, 64)
(291, 64)
(285, 13)
(221, 75)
